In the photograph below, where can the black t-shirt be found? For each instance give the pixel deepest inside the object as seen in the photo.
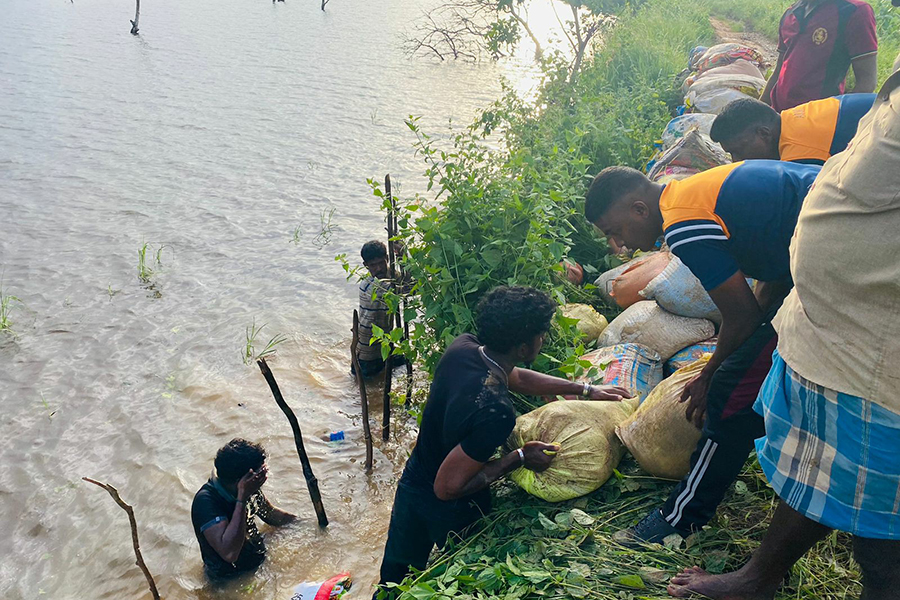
(468, 405)
(211, 507)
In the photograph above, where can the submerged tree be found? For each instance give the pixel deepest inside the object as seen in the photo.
(137, 17)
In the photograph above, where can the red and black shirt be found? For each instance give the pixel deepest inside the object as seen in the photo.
(819, 47)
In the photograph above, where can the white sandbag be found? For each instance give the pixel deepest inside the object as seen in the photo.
(679, 126)
(678, 290)
(712, 100)
(648, 324)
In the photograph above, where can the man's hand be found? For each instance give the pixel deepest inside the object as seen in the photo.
(539, 455)
(695, 395)
(608, 392)
(250, 483)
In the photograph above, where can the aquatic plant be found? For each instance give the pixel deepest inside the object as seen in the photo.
(7, 303)
(144, 270)
(249, 353)
(326, 228)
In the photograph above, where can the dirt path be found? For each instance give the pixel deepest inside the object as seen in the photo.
(766, 45)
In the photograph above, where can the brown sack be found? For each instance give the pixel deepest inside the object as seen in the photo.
(658, 434)
(626, 288)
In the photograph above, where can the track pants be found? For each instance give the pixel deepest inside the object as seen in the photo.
(728, 434)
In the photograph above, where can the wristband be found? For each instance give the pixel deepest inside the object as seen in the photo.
(586, 390)
(521, 456)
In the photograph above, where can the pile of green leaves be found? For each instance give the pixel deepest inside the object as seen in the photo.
(529, 549)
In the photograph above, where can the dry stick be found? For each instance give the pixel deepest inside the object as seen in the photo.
(137, 17)
(367, 433)
(134, 534)
(312, 484)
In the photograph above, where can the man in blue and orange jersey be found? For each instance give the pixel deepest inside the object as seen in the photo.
(726, 224)
(810, 133)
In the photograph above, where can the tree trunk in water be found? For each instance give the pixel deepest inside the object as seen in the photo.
(134, 534)
(137, 17)
(312, 484)
(324, 2)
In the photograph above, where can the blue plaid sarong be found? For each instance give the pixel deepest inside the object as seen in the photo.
(832, 457)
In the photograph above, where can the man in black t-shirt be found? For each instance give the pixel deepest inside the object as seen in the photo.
(224, 508)
(444, 487)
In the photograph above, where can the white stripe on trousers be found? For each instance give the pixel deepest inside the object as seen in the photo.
(693, 482)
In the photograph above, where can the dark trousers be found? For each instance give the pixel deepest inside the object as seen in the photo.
(419, 522)
(728, 434)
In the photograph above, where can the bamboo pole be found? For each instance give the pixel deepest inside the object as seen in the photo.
(367, 433)
(312, 484)
(389, 362)
(134, 534)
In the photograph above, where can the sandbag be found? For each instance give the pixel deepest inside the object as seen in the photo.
(626, 288)
(695, 151)
(648, 324)
(678, 290)
(332, 589)
(658, 434)
(689, 355)
(713, 100)
(589, 448)
(725, 54)
(590, 322)
(738, 67)
(605, 280)
(636, 368)
(677, 127)
(747, 84)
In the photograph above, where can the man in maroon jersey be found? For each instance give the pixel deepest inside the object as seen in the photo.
(818, 42)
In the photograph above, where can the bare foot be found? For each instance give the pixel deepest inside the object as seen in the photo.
(695, 582)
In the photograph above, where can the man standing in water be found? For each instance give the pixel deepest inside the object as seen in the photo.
(373, 311)
(223, 511)
(468, 415)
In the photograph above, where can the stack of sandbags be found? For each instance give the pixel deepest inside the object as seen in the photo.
(589, 447)
(724, 73)
(658, 434)
(693, 153)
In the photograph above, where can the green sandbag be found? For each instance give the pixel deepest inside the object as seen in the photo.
(589, 449)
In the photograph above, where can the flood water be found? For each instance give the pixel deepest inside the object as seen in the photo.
(219, 133)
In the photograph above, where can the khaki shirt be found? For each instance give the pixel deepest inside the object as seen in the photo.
(840, 326)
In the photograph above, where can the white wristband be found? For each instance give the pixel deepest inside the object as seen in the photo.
(521, 456)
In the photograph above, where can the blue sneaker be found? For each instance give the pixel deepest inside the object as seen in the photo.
(652, 529)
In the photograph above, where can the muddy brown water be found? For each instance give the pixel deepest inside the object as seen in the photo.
(216, 134)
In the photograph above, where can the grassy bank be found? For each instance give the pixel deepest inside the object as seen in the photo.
(508, 216)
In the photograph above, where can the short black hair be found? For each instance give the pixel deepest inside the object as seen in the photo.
(238, 456)
(608, 187)
(373, 249)
(508, 316)
(740, 115)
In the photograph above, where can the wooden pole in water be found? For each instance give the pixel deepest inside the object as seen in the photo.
(137, 17)
(367, 433)
(312, 484)
(134, 534)
(389, 362)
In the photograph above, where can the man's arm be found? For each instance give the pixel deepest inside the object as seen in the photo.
(460, 475)
(865, 72)
(227, 538)
(532, 383)
(271, 514)
(741, 316)
(766, 95)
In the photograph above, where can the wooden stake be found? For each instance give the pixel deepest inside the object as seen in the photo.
(389, 363)
(367, 433)
(312, 484)
(134, 534)
(137, 17)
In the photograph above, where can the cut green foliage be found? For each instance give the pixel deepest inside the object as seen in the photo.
(326, 228)
(148, 261)
(7, 304)
(249, 353)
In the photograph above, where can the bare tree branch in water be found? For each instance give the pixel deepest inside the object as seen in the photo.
(324, 2)
(466, 28)
(137, 17)
(134, 534)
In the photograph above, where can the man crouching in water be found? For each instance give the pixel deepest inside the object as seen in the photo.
(468, 415)
(223, 511)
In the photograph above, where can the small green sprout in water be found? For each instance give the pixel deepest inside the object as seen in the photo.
(249, 353)
(50, 412)
(110, 291)
(326, 230)
(144, 271)
(295, 235)
(7, 302)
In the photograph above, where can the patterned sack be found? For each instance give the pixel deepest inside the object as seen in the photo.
(725, 54)
(694, 151)
(636, 368)
(332, 589)
(677, 127)
(689, 355)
